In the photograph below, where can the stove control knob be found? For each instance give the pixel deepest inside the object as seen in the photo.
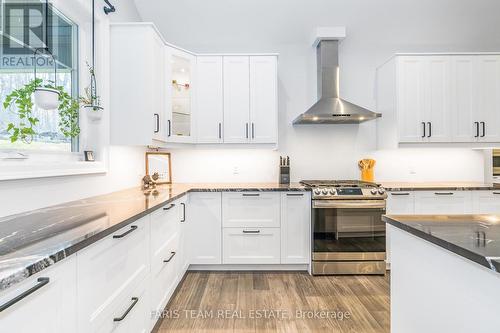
(333, 191)
(317, 191)
(381, 191)
(325, 191)
(373, 191)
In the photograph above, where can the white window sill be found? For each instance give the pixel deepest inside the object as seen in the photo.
(10, 170)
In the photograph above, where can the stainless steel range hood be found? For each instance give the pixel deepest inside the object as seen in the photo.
(330, 109)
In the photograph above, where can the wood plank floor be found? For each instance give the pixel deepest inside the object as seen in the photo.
(237, 302)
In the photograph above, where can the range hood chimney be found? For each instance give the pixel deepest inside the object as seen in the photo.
(330, 108)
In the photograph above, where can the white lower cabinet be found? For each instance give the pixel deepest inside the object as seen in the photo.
(109, 273)
(400, 203)
(443, 202)
(295, 227)
(251, 209)
(486, 202)
(205, 228)
(251, 245)
(49, 308)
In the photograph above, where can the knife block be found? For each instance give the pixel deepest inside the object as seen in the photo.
(284, 175)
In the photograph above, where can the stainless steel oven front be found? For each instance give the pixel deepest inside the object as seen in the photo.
(348, 237)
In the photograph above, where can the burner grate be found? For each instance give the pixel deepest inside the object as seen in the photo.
(338, 183)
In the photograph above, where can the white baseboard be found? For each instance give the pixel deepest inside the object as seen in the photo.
(295, 267)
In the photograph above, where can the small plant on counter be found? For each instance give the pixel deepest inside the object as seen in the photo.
(24, 130)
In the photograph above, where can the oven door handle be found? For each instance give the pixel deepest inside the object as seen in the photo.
(350, 204)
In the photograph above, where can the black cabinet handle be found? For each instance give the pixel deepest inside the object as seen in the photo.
(169, 207)
(399, 193)
(430, 129)
(134, 302)
(295, 194)
(157, 122)
(496, 192)
(246, 130)
(220, 131)
(483, 124)
(253, 131)
(443, 193)
(477, 129)
(251, 231)
(132, 228)
(250, 194)
(42, 281)
(424, 126)
(183, 212)
(172, 254)
(169, 127)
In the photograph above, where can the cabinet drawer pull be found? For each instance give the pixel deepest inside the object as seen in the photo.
(169, 127)
(476, 123)
(169, 207)
(253, 131)
(400, 193)
(295, 194)
(430, 129)
(251, 231)
(42, 281)
(183, 212)
(496, 192)
(483, 125)
(134, 302)
(220, 131)
(424, 126)
(172, 254)
(250, 194)
(157, 122)
(443, 193)
(246, 130)
(132, 228)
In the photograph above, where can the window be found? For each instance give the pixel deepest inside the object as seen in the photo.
(23, 30)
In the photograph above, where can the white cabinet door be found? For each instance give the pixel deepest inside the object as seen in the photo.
(183, 85)
(137, 92)
(488, 101)
(236, 99)
(411, 99)
(184, 244)
(399, 203)
(159, 75)
(263, 99)
(443, 202)
(209, 99)
(205, 228)
(486, 202)
(437, 107)
(465, 126)
(251, 209)
(251, 245)
(295, 228)
(50, 308)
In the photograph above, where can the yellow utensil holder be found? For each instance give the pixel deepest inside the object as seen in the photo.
(367, 175)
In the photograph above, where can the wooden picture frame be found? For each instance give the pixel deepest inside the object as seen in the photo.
(159, 162)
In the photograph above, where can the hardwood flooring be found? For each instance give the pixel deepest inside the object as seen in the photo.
(278, 302)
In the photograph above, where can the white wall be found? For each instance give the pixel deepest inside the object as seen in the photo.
(126, 164)
(375, 29)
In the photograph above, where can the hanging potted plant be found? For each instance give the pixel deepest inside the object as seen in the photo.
(22, 99)
(90, 101)
(46, 97)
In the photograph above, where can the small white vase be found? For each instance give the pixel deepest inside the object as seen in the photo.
(47, 98)
(94, 113)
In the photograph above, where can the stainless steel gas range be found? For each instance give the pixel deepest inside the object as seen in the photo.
(348, 231)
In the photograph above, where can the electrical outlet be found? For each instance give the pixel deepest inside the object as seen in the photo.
(236, 170)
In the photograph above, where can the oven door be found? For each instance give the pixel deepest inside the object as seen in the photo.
(348, 230)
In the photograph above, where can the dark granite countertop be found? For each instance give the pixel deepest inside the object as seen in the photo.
(475, 237)
(439, 186)
(34, 240)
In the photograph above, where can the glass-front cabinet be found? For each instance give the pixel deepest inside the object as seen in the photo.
(179, 109)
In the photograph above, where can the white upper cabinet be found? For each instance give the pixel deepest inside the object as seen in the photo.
(209, 99)
(439, 98)
(137, 95)
(180, 107)
(236, 99)
(263, 99)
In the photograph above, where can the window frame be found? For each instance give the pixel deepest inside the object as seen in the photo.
(43, 163)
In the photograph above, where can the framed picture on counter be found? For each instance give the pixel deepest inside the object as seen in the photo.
(159, 163)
